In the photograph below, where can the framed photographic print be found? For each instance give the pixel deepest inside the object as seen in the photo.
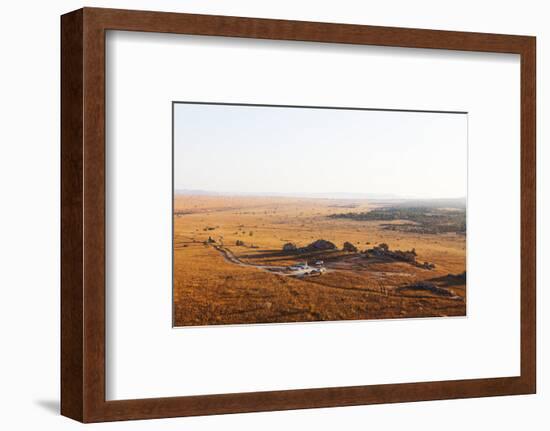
(266, 215)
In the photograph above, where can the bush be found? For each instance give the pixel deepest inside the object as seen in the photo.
(348, 246)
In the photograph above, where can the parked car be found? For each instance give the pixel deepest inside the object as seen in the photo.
(299, 266)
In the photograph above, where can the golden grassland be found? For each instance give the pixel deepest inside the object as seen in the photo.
(209, 289)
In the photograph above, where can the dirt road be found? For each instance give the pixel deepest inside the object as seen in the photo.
(282, 270)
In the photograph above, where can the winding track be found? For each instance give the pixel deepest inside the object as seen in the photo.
(281, 270)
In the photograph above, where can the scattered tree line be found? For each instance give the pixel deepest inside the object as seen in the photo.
(380, 250)
(422, 219)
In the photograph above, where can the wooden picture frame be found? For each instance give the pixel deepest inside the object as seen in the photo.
(83, 214)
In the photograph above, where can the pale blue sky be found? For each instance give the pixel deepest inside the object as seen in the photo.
(244, 149)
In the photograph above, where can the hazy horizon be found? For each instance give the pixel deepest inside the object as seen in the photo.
(281, 151)
(320, 195)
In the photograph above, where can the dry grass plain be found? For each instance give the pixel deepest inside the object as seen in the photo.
(210, 289)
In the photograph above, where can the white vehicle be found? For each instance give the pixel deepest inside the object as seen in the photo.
(299, 266)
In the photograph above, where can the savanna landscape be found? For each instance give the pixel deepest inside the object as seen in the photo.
(302, 214)
(242, 259)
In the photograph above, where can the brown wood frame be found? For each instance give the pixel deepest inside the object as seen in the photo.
(83, 214)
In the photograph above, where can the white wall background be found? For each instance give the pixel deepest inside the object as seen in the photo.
(29, 224)
(487, 86)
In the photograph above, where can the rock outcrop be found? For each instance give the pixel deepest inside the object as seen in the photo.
(409, 256)
(320, 245)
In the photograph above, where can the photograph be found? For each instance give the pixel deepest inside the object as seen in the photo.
(301, 214)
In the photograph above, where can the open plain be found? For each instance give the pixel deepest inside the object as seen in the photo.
(242, 260)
